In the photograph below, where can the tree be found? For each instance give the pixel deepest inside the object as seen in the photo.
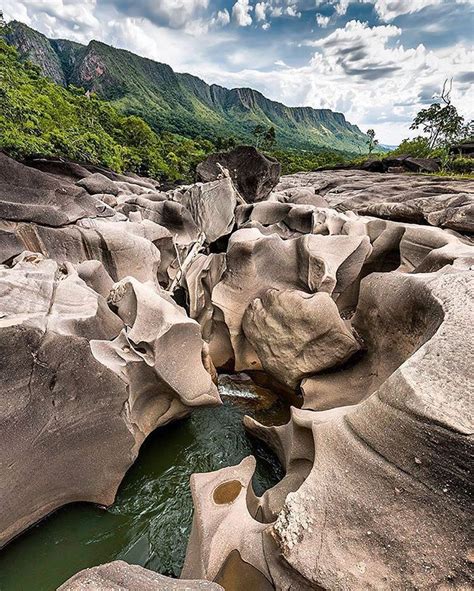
(371, 141)
(442, 122)
(417, 147)
(265, 138)
(258, 133)
(269, 138)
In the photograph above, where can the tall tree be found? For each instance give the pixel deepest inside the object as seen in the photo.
(258, 133)
(441, 121)
(371, 141)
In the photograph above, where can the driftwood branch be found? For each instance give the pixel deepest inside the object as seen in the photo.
(226, 174)
(192, 253)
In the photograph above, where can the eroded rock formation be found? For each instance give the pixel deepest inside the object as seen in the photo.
(89, 366)
(376, 490)
(349, 289)
(254, 174)
(376, 494)
(438, 201)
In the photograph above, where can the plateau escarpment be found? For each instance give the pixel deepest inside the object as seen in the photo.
(350, 289)
(181, 103)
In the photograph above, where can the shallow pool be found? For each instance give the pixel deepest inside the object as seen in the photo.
(150, 521)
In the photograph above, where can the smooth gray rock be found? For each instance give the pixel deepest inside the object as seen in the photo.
(120, 576)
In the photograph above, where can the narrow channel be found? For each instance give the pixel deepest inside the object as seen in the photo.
(150, 521)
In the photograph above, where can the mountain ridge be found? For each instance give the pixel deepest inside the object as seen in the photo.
(180, 102)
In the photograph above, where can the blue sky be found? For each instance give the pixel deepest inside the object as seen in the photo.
(378, 62)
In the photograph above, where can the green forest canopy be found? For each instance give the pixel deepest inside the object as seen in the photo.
(39, 117)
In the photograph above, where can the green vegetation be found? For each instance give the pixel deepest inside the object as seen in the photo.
(180, 103)
(300, 160)
(264, 138)
(443, 128)
(39, 117)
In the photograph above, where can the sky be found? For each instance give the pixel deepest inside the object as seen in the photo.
(377, 61)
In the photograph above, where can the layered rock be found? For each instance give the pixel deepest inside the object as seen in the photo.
(29, 195)
(442, 202)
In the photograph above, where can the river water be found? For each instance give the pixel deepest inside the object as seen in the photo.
(150, 521)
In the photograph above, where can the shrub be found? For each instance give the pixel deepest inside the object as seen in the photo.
(461, 165)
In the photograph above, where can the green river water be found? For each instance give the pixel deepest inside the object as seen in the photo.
(150, 521)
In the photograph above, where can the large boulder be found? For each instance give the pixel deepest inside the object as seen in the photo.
(120, 576)
(422, 164)
(211, 206)
(254, 173)
(296, 334)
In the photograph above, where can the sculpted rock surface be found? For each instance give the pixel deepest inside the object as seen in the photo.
(120, 576)
(125, 248)
(98, 183)
(286, 220)
(296, 334)
(29, 195)
(169, 214)
(254, 174)
(360, 506)
(82, 386)
(159, 350)
(367, 316)
(256, 263)
(419, 199)
(211, 206)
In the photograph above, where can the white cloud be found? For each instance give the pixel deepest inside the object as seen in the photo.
(342, 6)
(355, 71)
(241, 13)
(52, 16)
(390, 9)
(291, 11)
(322, 21)
(354, 34)
(260, 11)
(266, 26)
(221, 18)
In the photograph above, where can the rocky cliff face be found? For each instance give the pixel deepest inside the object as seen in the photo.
(37, 48)
(180, 103)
